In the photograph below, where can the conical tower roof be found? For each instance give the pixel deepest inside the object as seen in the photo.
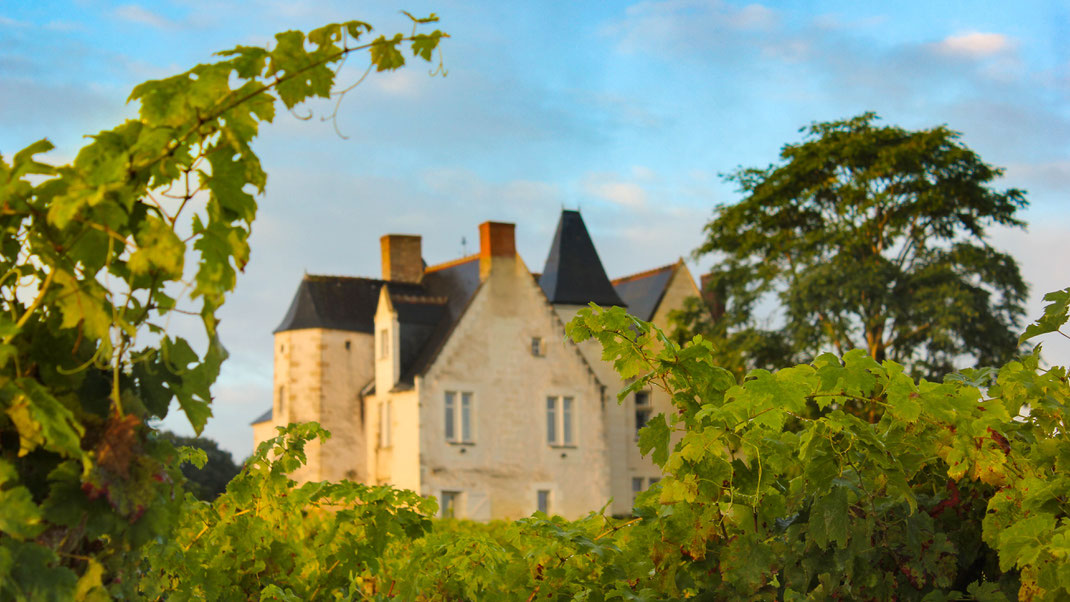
(573, 273)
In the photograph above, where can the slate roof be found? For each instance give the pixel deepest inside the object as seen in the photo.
(456, 282)
(263, 417)
(643, 291)
(339, 303)
(573, 273)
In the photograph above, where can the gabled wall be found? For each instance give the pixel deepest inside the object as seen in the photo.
(489, 355)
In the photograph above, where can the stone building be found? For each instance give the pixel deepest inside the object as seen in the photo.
(456, 380)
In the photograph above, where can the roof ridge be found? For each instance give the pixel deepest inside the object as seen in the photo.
(451, 263)
(645, 274)
(428, 299)
(336, 277)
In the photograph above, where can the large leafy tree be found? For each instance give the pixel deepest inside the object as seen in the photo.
(870, 237)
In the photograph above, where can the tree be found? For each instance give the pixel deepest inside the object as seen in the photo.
(92, 263)
(209, 481)
(870, 237)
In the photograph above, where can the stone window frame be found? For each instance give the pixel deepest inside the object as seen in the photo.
(384, 343)
(451, 500)
(554, 410)
(455, 417)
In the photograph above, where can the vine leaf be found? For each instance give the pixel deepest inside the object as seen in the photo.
(1055, 315)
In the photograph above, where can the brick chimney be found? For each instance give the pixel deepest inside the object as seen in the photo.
(402, 260)
(497, 240)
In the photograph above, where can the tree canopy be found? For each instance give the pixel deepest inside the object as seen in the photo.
(870, 237)
(209, 481)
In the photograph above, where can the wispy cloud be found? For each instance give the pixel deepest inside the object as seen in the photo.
(975, 44)
(611, 187)
(142, 16)
(9, 22)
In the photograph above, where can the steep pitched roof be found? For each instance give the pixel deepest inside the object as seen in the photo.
(266, 416)
(338, 303)
(573, 273)
(644, 291)
(456, 282)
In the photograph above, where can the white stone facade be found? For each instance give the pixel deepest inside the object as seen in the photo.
(469, 419)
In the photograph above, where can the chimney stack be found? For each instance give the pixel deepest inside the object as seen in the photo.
(497, 239)
(402, 259)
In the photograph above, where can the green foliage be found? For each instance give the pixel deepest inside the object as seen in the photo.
(92, 255)
(208, 473)
(870, 238)
(267, 537)
(846, 478)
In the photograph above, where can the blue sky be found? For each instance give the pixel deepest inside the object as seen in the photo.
(627, 110)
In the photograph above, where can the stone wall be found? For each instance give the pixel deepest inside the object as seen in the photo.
(317, 378)
(509, 459)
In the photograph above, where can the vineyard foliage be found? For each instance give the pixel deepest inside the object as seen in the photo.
(93, 265)
(843, 478)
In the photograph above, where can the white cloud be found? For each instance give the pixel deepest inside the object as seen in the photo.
(610, 187)
(975, 44)
(9, 22)
(643, 173)
(684, 24)
(753, 16)
(142, 16)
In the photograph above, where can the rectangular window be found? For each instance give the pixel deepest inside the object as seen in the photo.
(451, 411)
(466, 416)
(384, 343)
(637, 487)
(551, 420)
(450, 504)
(460, 425)
(282, 401)
(566, 420)
(543, 500)
(560, 420)
(643, 410)
(385, 424)
(536, 346)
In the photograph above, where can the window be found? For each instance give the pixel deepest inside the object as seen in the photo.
(643, 410)
(450, 504)
(560, 423)
(542, 500)
(637, 487)
(459, 417)
(536, 346)
(347, 345)
(282, 400)
(385, 423)
(384, 343)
